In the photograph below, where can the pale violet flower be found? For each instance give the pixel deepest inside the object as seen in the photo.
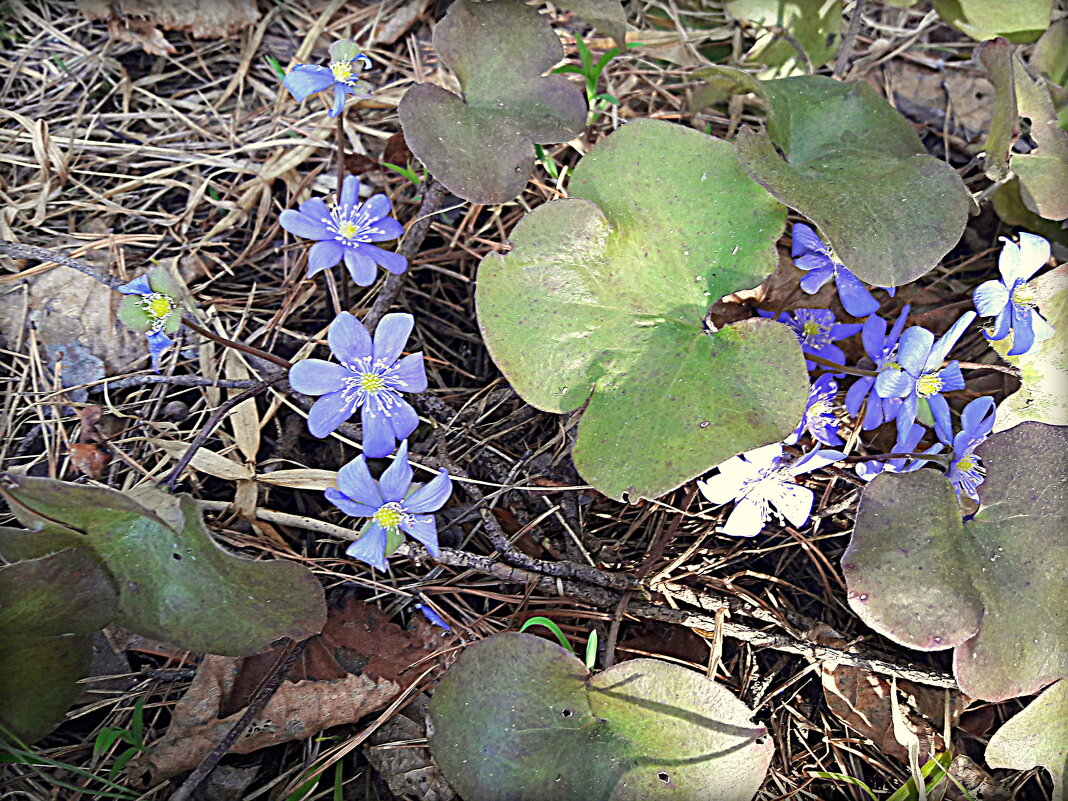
(1011, 301)
(763, 484)
(346, 62)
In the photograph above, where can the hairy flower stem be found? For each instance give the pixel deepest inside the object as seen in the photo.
(839, 368)
(942, 459)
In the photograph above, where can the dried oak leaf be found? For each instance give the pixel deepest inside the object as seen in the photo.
(143, 21)
(356, 666)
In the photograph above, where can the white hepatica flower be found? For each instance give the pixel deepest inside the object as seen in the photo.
(761, 480)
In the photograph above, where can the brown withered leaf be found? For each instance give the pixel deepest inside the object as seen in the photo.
(88, 459)
(143, 21)
(408, 770)
(357, 666)
(861, 700)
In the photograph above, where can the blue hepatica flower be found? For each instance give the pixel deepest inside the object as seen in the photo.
(346, 62)
(919, 374)
(370, 376)
(821, 415)
(966, 471)
(760, 481)
(151, 309)
(906, 444)
(433, 616)
(817, 257)
(817, 330)
(393, 505)
(881, 348)
(1012, 299)
(346, 232)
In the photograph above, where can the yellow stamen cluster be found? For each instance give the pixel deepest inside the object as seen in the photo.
(928, 384)
(342, 70)
(388, 516)
(157, 307)
(1024, 295)
(372, 383)
(811, 328)
(347, 230)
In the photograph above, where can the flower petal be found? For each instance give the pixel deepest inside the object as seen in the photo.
(393, 262)
(378, 439)
(307, 79)
(361, 267)
(1009, 261)
(943, 424)
(354, 479)
(812, 282)
(856, 394)
(384, 230)
(348, 339)
(371, 547)
(317, 377)
(873, 336)
(323, 256)
(409, 374)
(952, 378)
(329, 412)
(349, 506)
(990, 298)
(403, 419)
(392, 335)
(315, 209)
(794, 503)
(158, 342)
(912, 351)
(340, 90)
(946, 342)
(724, 487)
(899, 324)
(855, 297)
(906, 415)
(764, 457)
(138, 286)
(1034, 253)
(745, 521)
(424, 529)
(805, 240)
(1023, 334)
(397, 478)
(814, 460)
(1043, 330)
(894, 384)
(1002, 325)
(977, 419)
(377, 207)
(350, 192)
(431, 496)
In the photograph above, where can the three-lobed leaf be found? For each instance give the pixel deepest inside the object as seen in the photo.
(1020, 20)
(919, 575)
(49, 609)
(855, 167)
(518, 718)
(175, 583)
(481, 145)
(603, 298)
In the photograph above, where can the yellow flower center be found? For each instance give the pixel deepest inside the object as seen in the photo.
(347, 230)
(811, 328)
(928, 384)
(1023, 295)
(372, 383)
(967, 462)
(892, 366)
(389, 515)
(158, 307)
(342, 70)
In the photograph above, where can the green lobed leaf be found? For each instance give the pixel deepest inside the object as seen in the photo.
(1020, 21)
(603, 297)
(518, 718)
(1050, 56)
(855, 167)
(1043, 394)
(49, 609)
(481, 145)
(1036, 736)
(996, 58)
(175, 583)
(919, 575)
(1044, 171)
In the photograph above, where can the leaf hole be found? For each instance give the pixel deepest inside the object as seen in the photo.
(566, 713)
(663, 776)
(177, 557)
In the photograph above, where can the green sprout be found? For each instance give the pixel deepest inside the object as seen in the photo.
(405, 172)
(134, 737)
(591, 72)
